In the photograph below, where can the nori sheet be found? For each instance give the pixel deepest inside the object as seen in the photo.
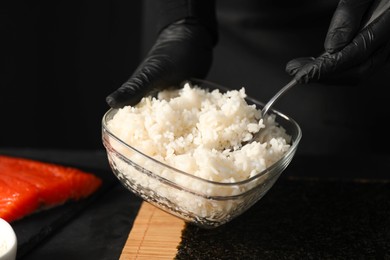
(302, 219)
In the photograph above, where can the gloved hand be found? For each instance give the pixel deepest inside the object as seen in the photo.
(182, 50)
(351, 53)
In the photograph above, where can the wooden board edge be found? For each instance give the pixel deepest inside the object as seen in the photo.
(155, 234)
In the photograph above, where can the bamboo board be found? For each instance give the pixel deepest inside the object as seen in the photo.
(154, 235)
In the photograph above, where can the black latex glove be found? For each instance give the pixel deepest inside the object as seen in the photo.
(181, 51)
(351, 53)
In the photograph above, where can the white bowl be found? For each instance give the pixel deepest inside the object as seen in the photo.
(8, 241)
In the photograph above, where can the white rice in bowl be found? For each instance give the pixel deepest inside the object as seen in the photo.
(198, 132)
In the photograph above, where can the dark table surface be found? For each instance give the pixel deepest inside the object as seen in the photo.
(97, 228)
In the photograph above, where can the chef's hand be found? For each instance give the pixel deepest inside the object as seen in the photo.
(182, 50)
(351, 53)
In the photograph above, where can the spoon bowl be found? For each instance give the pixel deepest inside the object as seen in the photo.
(269, 104)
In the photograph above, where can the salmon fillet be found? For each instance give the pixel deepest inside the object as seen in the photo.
(27, 186)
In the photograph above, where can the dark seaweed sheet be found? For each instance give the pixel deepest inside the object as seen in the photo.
(302, 219)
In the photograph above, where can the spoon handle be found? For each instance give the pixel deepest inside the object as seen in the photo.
(283, 90)
(377, 10)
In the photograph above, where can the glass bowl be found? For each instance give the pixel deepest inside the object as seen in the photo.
(196, 200)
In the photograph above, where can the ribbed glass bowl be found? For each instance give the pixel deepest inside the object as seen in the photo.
(205, 203)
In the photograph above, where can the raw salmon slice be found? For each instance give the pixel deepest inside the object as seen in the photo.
(17, 198)
(27, 185)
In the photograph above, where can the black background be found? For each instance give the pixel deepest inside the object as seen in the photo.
(58, 62)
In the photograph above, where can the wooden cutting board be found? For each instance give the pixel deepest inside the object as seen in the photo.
(154, 235)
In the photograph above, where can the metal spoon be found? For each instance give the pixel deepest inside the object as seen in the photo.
(269, 104)
(377, 9)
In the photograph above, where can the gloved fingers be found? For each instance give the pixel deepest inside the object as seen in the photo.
(345, 24)
(369, 39)
(364, 70)
(365, 44)
(293, 66)
(180, 52)
(308, 69)
(156, 73)
(322, 69)
(140, 84)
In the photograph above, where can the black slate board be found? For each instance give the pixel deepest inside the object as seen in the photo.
(302, 219)
(66, 231)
